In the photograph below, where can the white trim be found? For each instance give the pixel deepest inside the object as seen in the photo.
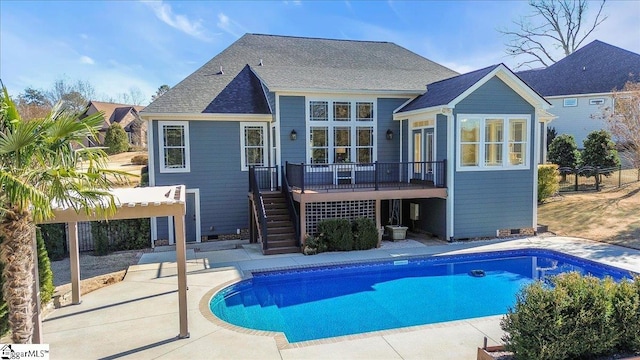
(570, 102)
(352, 124)
(577, 95)
(207, 116)
(451, 149)
(196, 204)
(187, 151)
(505, 149)
(403, 105)
(265, 144)
(152, 177)
(419, 113)
(330, 92)
(535, 176)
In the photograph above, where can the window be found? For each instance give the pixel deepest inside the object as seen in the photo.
(174, 146)
(598, 101)
(253, 144)
(489, 142)
(339, 132)
(569, 102)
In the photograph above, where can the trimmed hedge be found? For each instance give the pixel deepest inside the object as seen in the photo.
(336, 233)
(576, 317)
(117, 235)
(365, 234)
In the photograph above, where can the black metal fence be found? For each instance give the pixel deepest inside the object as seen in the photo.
(589, 178)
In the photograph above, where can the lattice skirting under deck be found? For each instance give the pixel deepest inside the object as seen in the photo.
(318, 211)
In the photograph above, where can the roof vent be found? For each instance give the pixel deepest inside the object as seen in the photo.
(261, 62)
(584, 68)
(221, 72)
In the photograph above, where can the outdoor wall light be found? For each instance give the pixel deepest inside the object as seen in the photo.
(293, 135)
(389, 134)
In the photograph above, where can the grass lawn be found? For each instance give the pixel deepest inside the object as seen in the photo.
(611, 215)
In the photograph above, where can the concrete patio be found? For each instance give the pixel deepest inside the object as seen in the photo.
(138, 317)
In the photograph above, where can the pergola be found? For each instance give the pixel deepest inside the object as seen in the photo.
(131, 203)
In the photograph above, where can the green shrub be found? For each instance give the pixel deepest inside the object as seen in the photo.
(313, 245)
(44, 270)
(100, 235)
(574, 318)
(55, 239)
(626, 311)
(600, 151)
(144, 176)
(117, 235)
(365, 234)
(336, 233)
(116, 139)
(547, 181)
(140, 160)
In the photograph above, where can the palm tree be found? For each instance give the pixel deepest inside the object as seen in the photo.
(39, 167)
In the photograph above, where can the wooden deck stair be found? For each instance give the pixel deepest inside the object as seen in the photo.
(281, 238)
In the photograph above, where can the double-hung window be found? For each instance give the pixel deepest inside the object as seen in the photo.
(174, 146)
(492, 142)
(341, 131)
(253, 144)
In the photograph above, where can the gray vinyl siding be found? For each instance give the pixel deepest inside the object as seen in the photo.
(215, 170)
(579, 120)
(485, 201)
(441, 138)
(388, 150)
(292, 116)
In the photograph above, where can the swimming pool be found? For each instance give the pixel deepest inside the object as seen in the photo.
(328, 301)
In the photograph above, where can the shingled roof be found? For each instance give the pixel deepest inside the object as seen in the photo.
(298, 64)
(595, 68)
(444, 91)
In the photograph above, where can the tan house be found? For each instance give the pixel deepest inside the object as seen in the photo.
(125, 115)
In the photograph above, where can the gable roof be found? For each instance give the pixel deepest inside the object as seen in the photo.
(298, 64)
(450, 91)
(593, 69)
(443, 92)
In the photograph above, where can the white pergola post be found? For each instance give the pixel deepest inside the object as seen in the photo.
(74, 261)
(181, 259)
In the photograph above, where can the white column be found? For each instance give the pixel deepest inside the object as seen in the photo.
(181, 259)
(74, 262)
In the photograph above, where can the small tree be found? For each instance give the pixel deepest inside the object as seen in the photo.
(600, 151)
(563, 152)
(624, 121)
(116, 139)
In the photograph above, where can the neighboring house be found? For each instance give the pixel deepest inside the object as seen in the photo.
(580, 86)
(126, 115)
(346, 129)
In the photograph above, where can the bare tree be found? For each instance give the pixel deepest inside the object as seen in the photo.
(33, 104)
(552, 25)
(623, 120)
(76, 95)
(133, 97)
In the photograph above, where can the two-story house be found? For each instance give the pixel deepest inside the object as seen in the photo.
(277, 133)
(580, 86)
(126, 115)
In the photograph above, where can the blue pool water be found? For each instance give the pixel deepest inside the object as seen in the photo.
(321, 302)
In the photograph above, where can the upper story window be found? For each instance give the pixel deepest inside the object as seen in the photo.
(570, 102)
(253, 145)
(492, 142)
(341, 131)
(174, 146)
(598, 101)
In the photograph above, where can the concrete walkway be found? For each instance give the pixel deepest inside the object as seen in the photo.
(138, 317)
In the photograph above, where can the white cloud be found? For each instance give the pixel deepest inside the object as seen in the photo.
(164, 12)
(229, 26)
(86, 60)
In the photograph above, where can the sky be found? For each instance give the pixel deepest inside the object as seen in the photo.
(121, 45)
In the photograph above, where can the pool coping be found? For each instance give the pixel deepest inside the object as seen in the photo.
(281, 341)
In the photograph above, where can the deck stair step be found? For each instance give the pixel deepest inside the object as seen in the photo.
(281, 238)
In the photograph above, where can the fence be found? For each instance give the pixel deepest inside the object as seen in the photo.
(589, 178)
(116, 236)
